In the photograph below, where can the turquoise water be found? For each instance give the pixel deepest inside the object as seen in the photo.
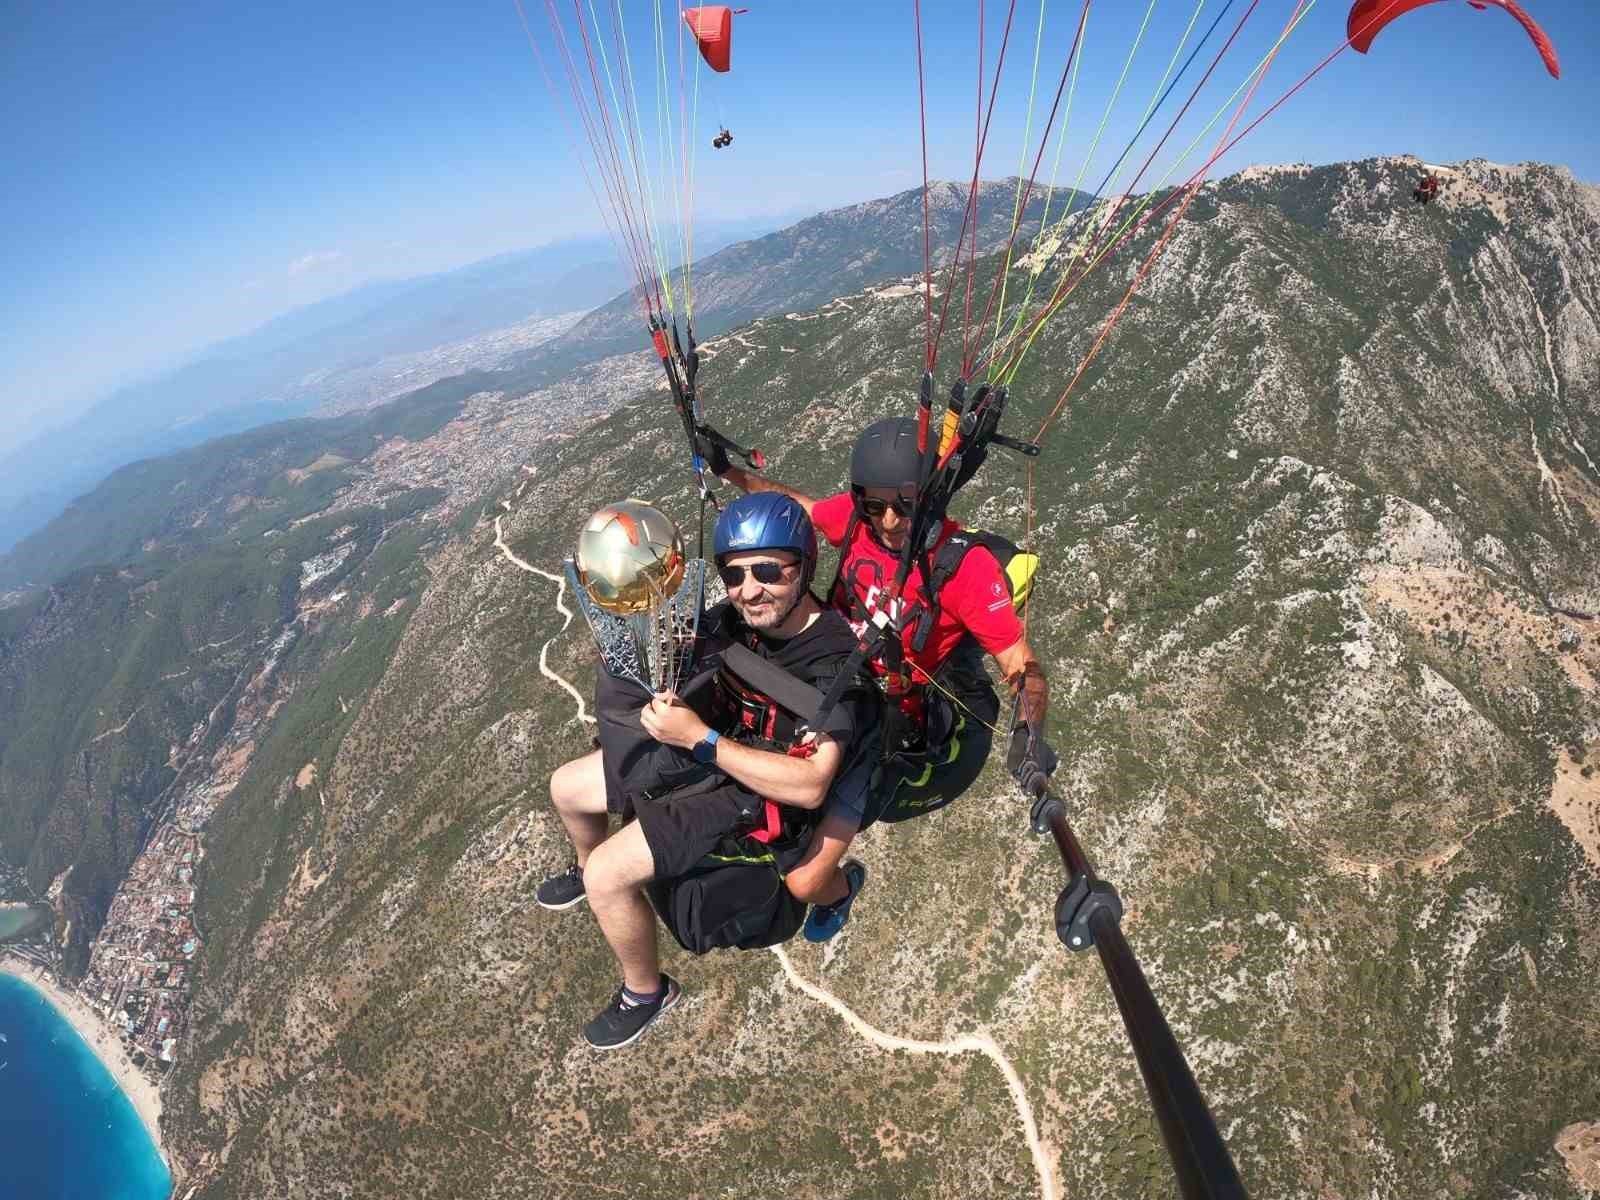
(66, 1130)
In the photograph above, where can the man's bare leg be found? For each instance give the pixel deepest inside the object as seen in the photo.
(578, 791)
(817, 879)
(616, 870)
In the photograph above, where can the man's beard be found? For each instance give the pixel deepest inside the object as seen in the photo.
(770, 616)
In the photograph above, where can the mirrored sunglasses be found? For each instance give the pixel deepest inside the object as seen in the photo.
(764, 572)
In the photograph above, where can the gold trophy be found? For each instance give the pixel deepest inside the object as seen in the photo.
(640, 594)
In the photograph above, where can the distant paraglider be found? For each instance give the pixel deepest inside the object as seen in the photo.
(712, 27)
(1427, 188)
(1369, 17)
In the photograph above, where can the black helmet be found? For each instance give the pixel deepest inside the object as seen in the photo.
(886, 455)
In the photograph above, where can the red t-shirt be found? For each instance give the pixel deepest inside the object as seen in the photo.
(976, 599)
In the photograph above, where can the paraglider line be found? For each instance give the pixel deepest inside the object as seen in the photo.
(1027, 192)
(572, 145)
(597, 128)
(927, 244)
(1172, 225)
(969, 215)
(1012, 358)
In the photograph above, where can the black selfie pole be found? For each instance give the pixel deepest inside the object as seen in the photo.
(1089, 913)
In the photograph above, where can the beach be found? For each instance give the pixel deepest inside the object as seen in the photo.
(143, 1094)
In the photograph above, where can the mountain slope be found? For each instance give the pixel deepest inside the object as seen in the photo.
(809, 263)
(128, 687)
(1322, 538)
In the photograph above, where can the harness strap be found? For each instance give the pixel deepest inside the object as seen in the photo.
(784, 689)
(788, 692)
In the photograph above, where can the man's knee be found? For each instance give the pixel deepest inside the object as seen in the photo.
(617, 864)
(572, 786)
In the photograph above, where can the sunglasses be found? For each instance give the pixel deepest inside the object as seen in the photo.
(764, 572)
(874, 507)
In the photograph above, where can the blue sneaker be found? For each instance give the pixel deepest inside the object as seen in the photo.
(825, 920)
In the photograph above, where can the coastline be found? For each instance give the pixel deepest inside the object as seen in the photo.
(144, 1095)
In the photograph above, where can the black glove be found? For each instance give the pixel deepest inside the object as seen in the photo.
(714, 455)
(1030, 760)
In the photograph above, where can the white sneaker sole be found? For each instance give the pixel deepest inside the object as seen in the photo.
(672, 998)
(578, 899)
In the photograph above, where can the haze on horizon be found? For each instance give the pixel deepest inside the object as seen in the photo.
(191, 175)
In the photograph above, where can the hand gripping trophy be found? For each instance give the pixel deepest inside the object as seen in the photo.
(641, 596)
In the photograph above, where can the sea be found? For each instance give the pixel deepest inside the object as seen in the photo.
(67, 1132)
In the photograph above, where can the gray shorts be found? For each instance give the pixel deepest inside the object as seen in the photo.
(851, 794)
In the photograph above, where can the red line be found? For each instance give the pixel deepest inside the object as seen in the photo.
(616, 157)
(969, 216)
(927, 244)
(967, 365)
(614, 186)
(1180, 190)
(583, 165)
(1091, 250)
(1172, 226)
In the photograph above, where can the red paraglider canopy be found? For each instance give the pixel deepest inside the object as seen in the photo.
(712, 26)
(1367, 17)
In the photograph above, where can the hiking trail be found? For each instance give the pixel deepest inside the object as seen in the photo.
(544, 650)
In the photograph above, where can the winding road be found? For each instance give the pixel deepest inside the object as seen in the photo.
(544, 650)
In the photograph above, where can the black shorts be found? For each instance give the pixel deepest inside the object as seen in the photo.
(683, 826)
(632, 761)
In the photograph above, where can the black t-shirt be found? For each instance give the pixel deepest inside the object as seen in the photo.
(814, 656)
(635, 763)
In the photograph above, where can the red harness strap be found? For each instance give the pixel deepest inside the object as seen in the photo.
(774, 826)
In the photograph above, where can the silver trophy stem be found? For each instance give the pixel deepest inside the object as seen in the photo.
(654, 649)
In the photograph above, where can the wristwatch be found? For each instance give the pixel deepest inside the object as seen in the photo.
(705, 750)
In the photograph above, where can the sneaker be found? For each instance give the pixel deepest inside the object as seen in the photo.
(621, 1021)
(825, 920)
(561, 891)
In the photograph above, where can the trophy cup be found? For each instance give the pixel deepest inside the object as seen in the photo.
(640, 595)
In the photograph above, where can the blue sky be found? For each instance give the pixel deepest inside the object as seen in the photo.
(182, 172)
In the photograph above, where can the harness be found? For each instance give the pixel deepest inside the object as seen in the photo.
(1018, 568)
(771, 708)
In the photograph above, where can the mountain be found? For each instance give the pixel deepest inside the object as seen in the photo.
(809, 263)
(1321, 609)
(125, 678)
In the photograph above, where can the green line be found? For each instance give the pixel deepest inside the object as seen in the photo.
(652, 233)
(648, 179)
(1021, 162)
(1150, 196)
(666, 157)
(1149, 108)
(1105, 116)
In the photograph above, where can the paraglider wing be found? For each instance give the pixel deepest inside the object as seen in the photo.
(1368, 17)
(712, 26)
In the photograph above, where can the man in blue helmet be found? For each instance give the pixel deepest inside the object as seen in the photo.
(766, 552)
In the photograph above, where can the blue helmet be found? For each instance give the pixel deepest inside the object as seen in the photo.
(767, 521)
